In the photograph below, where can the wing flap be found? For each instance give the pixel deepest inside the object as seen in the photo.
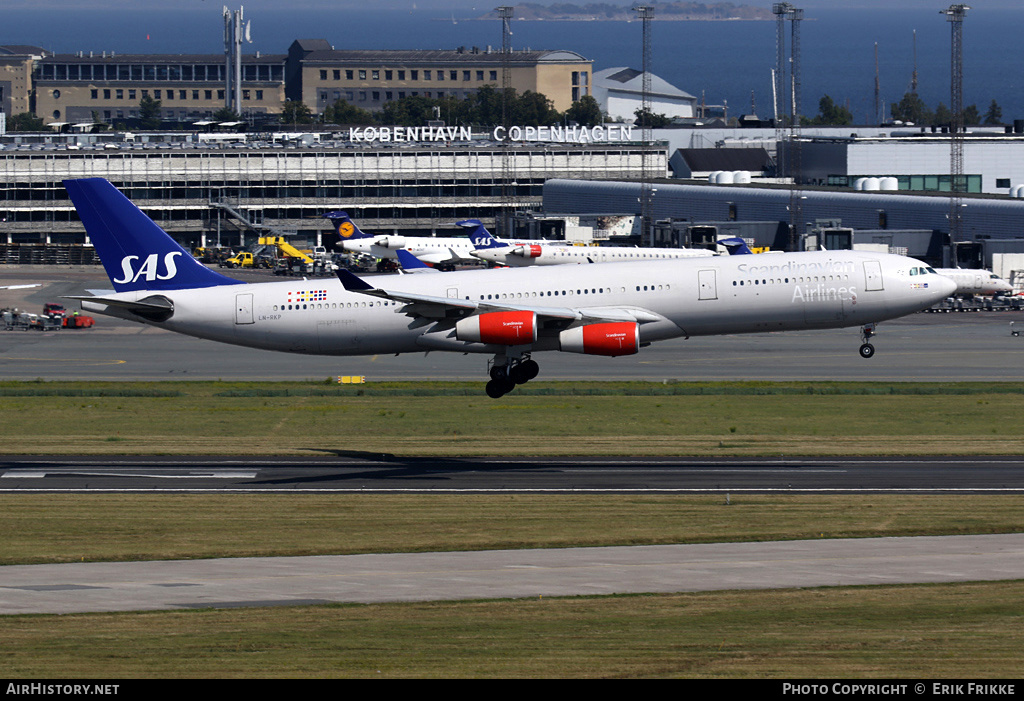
(432, 307)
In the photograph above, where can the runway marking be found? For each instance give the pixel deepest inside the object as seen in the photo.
(537, 490)
(41, 474)
(80, 361)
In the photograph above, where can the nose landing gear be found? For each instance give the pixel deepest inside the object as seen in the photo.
(866, 333)
(506, 375)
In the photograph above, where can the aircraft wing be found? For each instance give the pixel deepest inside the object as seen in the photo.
(429, 307)
(437, 257)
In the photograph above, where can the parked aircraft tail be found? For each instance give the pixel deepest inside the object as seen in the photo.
(735, 245)
(411, 264)
(345, 227)
(479, 235)
(136, 253)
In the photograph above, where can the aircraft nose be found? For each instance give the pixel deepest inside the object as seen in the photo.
(944, 286)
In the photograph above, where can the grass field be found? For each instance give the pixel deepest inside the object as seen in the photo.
(933, 631)
(583, 418)
(962, 631)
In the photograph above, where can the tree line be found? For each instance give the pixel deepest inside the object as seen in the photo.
(481, 108)
(910, 109)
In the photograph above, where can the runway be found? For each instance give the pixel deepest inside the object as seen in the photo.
(373, 473)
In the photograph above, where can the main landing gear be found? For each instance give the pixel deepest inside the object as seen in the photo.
(506, 373)
(866, 333)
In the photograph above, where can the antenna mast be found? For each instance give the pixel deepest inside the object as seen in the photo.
(646, 14)
(507, 166)
(955, 16)
(913, 76)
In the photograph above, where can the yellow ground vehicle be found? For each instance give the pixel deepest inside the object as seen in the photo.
(245, 259)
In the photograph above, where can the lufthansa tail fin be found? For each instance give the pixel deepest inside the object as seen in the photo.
(345, 227)
(136, 253)
(735, 245)
(479, 235)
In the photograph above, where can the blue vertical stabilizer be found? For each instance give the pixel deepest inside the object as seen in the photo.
(136, 253)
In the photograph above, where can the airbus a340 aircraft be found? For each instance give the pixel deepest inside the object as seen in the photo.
(607, 310)
(518, 255)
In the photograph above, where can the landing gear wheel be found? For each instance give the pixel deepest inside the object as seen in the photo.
(530, 369)
(499, 388)
(867, 350)
(499, 372)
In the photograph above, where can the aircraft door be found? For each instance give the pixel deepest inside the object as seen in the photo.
(453, 293)
(243, 309)
(708, 284)
(873, 276)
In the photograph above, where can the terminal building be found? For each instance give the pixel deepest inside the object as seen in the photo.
(107, 88)
(914, 224)
(319, 76)
(205, 194)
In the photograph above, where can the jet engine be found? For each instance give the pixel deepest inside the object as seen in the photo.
(527, 251)
(618, 338)
(503, 328)
(392, 242)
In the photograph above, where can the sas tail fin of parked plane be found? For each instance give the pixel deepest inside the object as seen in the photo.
(345, 227)
(479, 235)
(735, 245)
(136, 253)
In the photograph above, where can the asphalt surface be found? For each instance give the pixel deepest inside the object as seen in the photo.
(366, 472)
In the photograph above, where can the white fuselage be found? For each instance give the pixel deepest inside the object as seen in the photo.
(525, 254)
(689, 297)
(976, 282)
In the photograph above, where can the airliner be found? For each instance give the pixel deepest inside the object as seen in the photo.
(509, 313)
(536, 253)
(971, 282)
(443, 251)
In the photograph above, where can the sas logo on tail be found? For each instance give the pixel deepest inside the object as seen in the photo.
(149, 268)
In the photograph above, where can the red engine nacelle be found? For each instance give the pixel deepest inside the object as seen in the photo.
(619, 338)
(503, 328)
(528, 251)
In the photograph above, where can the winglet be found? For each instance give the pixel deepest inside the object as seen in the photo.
(345, 227)
(735, 245)
(352, 283)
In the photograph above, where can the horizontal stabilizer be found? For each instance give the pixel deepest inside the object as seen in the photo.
(154, 307)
